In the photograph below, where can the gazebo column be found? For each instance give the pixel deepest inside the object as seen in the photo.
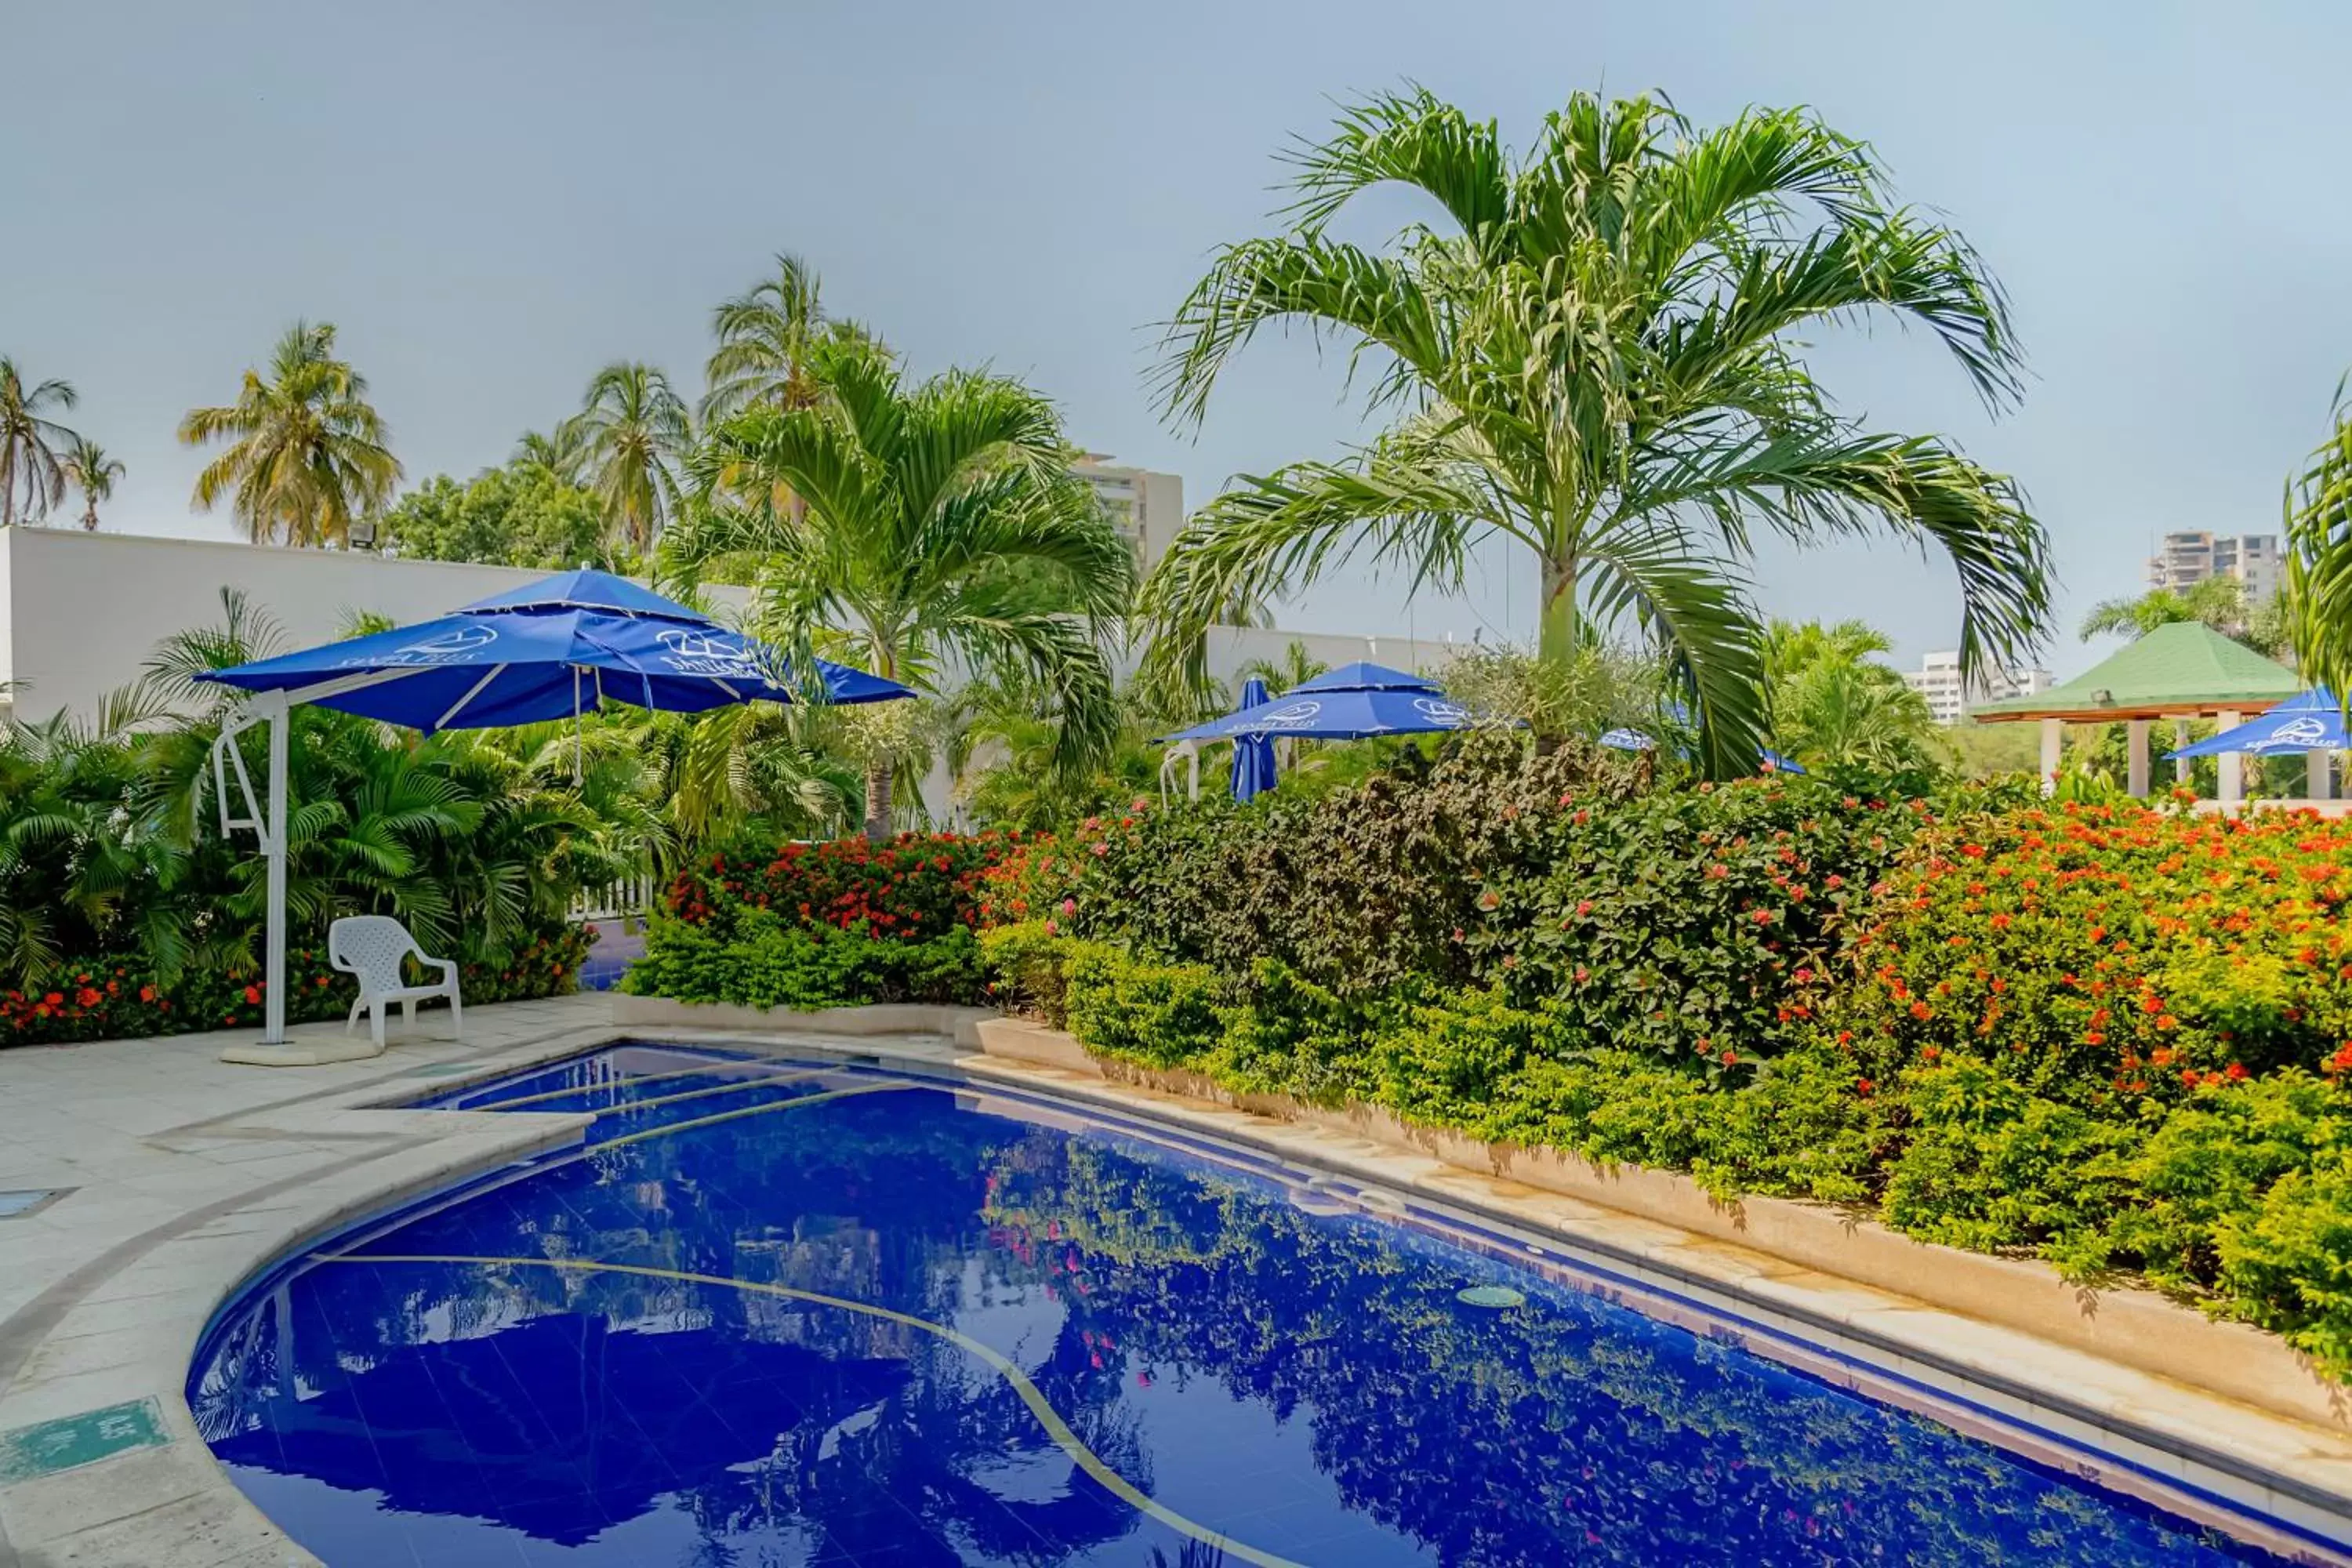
(2054, 746)
(2136, 749)
(2232, 765)
(2315, 775)
(2180, 765)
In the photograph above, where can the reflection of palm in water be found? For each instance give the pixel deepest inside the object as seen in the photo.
(1191, 1554)
(678, 1207)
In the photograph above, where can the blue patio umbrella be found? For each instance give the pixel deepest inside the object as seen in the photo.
(2313, 721)
(1334, 713)
(1364, 677)
(552, 650)
(1343, 704)
(1252, 754)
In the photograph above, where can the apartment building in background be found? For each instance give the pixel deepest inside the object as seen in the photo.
(2182, 559)
(1948, 697)
(1148, 507)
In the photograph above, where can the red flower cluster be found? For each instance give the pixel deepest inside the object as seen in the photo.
(916, 886)
(2132, 951)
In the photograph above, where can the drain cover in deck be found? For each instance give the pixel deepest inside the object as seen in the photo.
(15, 1205)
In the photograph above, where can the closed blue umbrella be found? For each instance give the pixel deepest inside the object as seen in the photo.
(2313, 721)
(551, 649)
(1252, 754)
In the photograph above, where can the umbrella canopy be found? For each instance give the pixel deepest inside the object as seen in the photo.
(1252, 754)
(1344, 704)
(2313, 721)
(1362, 677)
(551, 649)
(1339, 716)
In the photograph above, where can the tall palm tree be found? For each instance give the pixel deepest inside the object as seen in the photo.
(1596, 358)
(630, 435)
(2215, 602)
(32, 475)
(93, 473)
(558, 452)
(941, 523)
(765, 339)
(308, 451)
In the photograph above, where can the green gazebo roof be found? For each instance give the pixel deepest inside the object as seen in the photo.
(2182, 668)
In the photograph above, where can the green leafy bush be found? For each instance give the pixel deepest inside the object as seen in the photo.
(761, 962)
(1025, 960)
(1357, 890)
(1164, 1015)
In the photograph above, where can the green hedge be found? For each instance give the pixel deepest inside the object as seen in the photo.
(2115, 1038)
(765, 962)
(1678, 921)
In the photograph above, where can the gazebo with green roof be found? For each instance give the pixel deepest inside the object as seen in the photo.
(2182, 671)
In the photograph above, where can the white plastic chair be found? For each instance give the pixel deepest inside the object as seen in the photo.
(371, 947)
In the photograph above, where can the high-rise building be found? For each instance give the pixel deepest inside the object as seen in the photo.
(1148, 507)
(1948, 697)
(2187, 558)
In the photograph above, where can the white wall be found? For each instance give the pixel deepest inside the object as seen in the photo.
(7, 651)
(1230, 648)
(80, 612)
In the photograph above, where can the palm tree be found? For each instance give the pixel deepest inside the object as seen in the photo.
(2318, 595)
(765, 338)
(941, 523)
(309, 450)
(32, 477)
(558, 452)
(631, 434)
(1295, 668)
(1597, 359)
(2215, 602)
(93, 473)
(1835, 706)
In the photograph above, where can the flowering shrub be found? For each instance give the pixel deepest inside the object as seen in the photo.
(2109, 955)
(916, 886)
(809, 926)
(1688, 925)
(120, 997)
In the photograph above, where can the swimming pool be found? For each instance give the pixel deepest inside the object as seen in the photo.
(782, 1311)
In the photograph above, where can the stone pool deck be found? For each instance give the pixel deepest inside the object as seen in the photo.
(176, 1176)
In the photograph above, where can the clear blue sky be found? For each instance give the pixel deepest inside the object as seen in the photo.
(491, 200)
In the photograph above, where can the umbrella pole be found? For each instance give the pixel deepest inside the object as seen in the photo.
(273, 834)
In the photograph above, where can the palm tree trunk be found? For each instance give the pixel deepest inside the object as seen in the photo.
(1556, 618)
(877, 799)
(90, 516)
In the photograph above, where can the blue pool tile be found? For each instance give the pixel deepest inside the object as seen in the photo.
(1315, 1387)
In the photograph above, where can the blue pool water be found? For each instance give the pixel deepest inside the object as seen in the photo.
(785, 1313)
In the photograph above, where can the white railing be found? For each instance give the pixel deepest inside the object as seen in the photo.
(631, 896)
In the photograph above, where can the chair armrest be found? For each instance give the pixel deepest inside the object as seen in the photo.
(447, 966)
